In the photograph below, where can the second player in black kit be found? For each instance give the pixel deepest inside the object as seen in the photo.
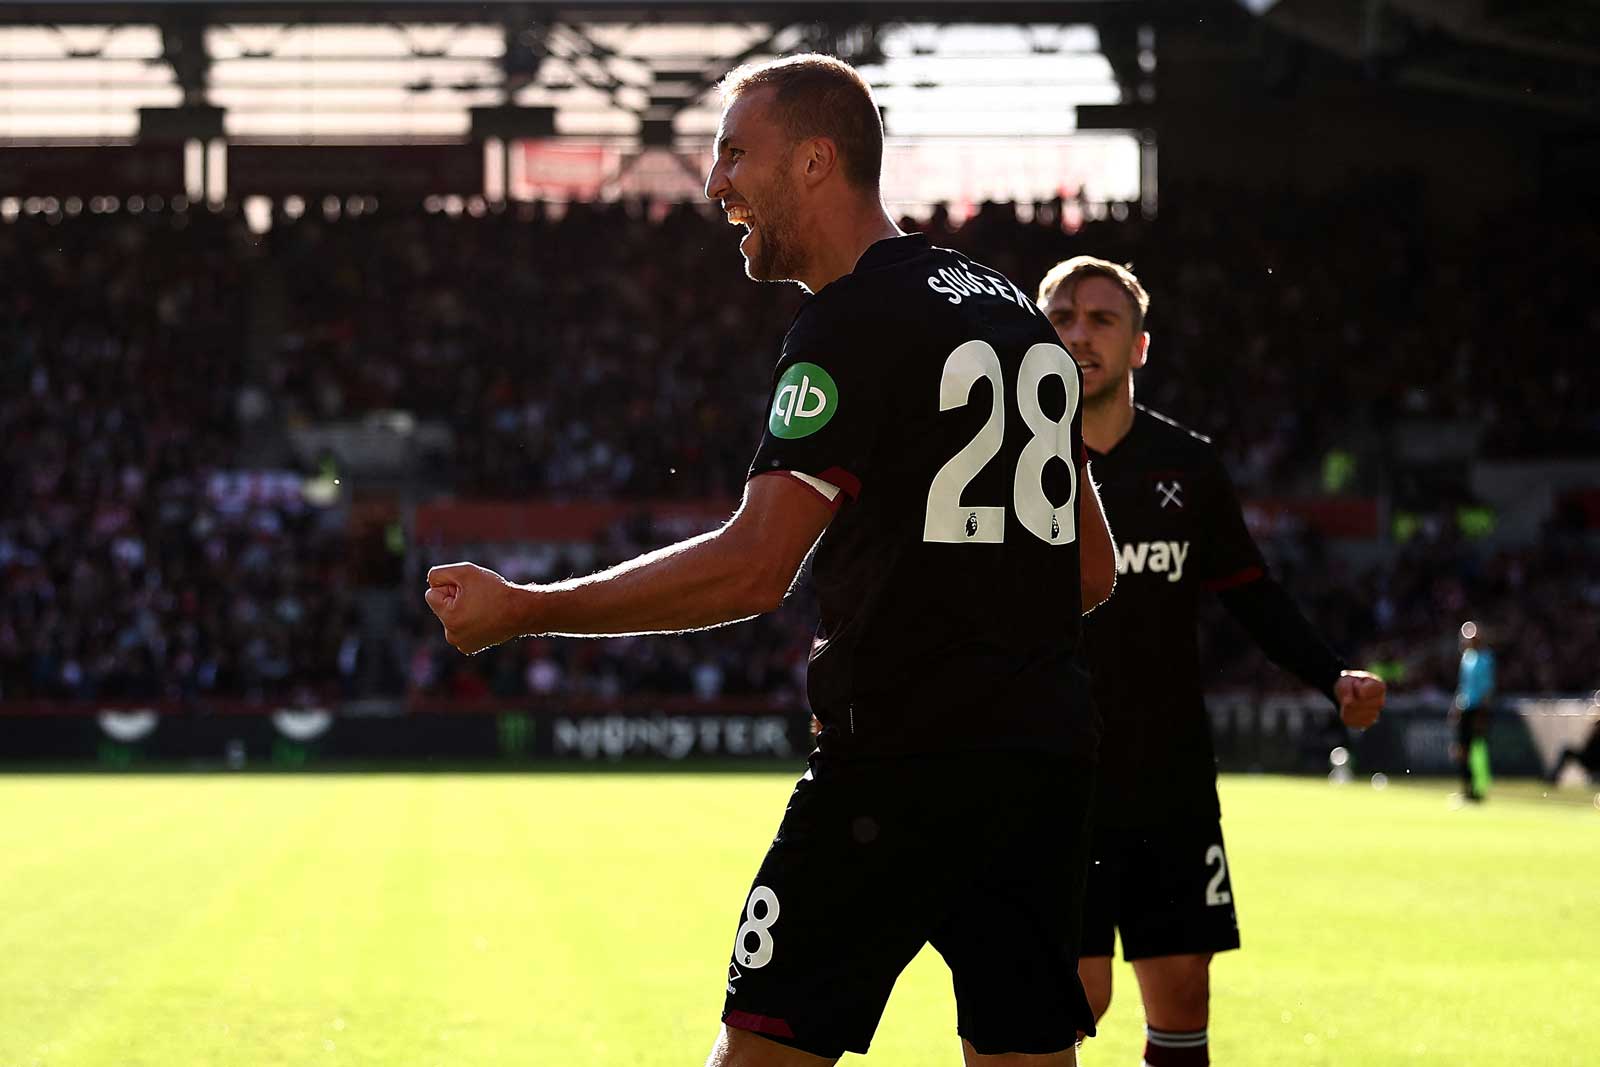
(1159, 868)
(1180, 534)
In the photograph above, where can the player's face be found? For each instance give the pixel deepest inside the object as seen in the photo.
(750, 178)
(1094, 319)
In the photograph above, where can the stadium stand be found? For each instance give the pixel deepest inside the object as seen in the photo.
(616, 352)
(132, 564)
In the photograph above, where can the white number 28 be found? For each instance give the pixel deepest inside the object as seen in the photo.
(946, 520)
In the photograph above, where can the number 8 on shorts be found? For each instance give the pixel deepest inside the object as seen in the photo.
(759, 924)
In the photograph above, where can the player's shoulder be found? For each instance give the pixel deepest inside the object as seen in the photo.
(847, 308)
(1172, 434)
(901, 280)
(955, 279)
(1177, 446)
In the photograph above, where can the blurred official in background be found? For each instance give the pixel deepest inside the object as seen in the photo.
(1470, 713)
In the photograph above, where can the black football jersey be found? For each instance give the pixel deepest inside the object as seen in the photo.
(936, 395)
(1178, 531)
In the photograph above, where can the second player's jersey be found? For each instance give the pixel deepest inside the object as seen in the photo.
(936, 395)
(1178, 531)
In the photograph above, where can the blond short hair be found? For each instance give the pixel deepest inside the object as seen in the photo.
(1074, 270)
(820, 96)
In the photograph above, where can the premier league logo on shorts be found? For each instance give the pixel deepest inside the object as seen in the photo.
(972, 524)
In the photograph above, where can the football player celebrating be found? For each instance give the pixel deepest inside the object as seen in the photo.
(1159, 870)
(923, 433)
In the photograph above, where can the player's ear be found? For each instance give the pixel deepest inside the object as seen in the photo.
(819, 156)
(1141, 350)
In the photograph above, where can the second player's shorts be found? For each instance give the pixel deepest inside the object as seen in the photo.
(1167, 891)
(981, 855)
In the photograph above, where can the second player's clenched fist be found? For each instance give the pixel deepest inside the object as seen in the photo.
(1361, 695)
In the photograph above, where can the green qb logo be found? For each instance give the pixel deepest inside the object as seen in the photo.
(806, 399)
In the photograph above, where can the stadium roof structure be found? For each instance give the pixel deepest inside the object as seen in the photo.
(412, 70)
(1533, 55)
(561, 100)
(586, 10)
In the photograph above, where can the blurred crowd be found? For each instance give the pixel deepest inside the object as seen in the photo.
(132, 564)
(1538, 607)
(617, 351)
(594, 352)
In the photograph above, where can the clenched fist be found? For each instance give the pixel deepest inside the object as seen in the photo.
(1361, 695)
(477, 607)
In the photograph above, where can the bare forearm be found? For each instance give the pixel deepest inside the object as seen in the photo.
(698, 583)
(741, 570)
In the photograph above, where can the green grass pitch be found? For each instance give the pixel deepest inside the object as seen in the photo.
(557, 918)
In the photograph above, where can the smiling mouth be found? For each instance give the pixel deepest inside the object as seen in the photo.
(741, 216)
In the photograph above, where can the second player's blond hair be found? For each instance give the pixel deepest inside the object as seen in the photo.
(1072, 271)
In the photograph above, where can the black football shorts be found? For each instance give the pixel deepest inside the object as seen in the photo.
(1167, 891)
(982, 855)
